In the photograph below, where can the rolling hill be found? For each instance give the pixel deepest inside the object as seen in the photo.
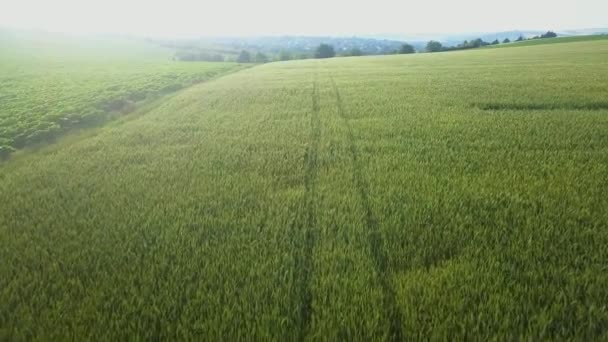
(557, 40)
(429, 196)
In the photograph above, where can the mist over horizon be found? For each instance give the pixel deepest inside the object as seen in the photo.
(190, 19)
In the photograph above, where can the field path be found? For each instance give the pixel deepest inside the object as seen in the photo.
(304, 262)
(375, 237)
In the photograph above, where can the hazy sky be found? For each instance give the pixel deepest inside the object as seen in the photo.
(312, 17)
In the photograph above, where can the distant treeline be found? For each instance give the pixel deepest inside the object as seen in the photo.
(267, 49)
(245, 56)
(435, 46)
(323, 50)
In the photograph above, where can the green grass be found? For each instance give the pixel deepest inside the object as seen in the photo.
(440, 196)
(50, 84)
(558, 40)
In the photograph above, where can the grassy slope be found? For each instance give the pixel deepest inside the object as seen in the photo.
(359, 198)
(51, 83)
(558, 40)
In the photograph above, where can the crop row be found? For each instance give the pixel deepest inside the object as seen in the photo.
(37, 104)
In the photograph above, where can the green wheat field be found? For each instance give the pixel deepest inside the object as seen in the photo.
(447, 196)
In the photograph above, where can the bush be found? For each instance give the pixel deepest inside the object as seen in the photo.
(478, 43)
(549, 34)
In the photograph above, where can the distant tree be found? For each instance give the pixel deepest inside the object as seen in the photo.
(434, 46)
(549, 34)
(261, 58)
(244, 57)
(355, 52)
(478, 43)
(406, 49)
(495, 42)
(520, 39)
(325, 51)
(284, 55)
(506, 41)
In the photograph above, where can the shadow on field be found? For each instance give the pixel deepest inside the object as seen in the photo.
(543, 106)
